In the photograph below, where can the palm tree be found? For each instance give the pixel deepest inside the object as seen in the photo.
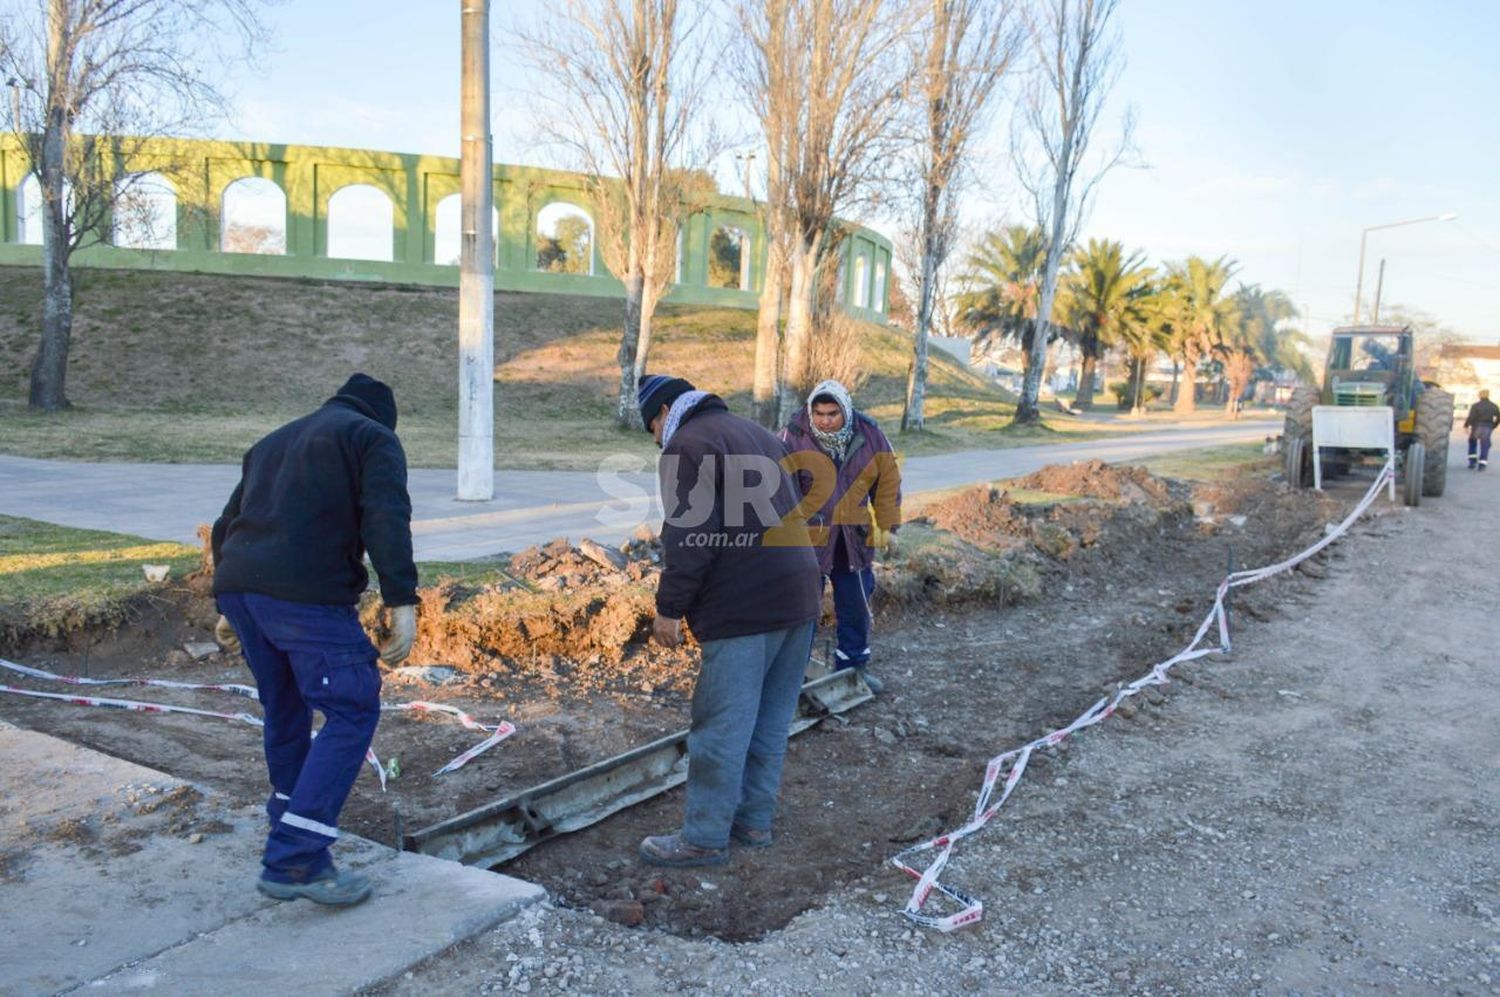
(1147, 331)
(1260, 340)
(1204, 315)
(1002, 284)
(1103, 290)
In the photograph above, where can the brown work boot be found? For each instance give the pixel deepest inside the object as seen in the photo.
(752, 837)
(671, 850)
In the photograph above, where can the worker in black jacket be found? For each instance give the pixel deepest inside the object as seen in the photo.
(739, 568)
(314, 496)
(1483, 417)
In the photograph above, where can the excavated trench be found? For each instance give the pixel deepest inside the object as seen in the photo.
(997, 621)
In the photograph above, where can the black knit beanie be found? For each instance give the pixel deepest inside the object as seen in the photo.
(375, 397)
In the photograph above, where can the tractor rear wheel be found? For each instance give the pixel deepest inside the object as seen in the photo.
(1296, 437)
(1416, 467)
(1434, 430)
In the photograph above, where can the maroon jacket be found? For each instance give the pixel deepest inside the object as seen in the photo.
(868, 475)
(735, 571)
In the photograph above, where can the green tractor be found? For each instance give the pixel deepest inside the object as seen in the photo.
(1375, 365)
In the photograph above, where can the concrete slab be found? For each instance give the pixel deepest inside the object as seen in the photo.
(115, 875)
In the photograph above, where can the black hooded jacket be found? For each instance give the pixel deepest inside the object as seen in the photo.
(313, 497)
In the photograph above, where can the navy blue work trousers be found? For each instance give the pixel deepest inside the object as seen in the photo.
(307, 657)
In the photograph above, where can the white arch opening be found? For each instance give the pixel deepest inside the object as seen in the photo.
(447, 231)
(564, 239)
(145, 213)
(361, 224)
(253, 218)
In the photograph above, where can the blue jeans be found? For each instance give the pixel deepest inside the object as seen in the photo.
(307, 657)
(851, 611)
(742, 707)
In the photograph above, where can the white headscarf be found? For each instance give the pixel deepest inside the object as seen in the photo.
(836, 443)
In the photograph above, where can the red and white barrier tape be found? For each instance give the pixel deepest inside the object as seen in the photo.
(1012, 764)
(233, 689)
(496, 733)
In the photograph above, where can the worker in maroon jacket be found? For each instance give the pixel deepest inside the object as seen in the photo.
(861, 511)
(739, 570)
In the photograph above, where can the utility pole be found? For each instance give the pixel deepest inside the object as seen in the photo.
(1379, 286)
(476, 282)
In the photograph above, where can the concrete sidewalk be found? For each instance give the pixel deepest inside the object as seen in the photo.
(119, 877)
(169, 501)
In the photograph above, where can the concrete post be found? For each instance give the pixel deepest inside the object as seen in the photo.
(476, 287)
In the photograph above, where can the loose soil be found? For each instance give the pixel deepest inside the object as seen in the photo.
(1001, 621)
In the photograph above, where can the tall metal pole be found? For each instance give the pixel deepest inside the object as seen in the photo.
(1379, 286)
(1359, 280)
(476, 282)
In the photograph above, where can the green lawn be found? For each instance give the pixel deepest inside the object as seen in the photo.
(171, 367)
(1211, 463)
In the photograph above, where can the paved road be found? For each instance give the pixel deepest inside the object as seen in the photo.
(169, 501)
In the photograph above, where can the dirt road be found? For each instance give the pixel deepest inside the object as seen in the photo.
(1318, 814)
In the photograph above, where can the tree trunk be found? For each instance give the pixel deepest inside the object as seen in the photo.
(915, 418)
(1187, 388)
(1085, 397)
(628, 411)
(798, 329)
(49, 371)
(764, 401)
(1138, 383)
(649, 298)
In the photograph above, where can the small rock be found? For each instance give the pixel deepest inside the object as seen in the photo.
(196, 838)
(200, 649)
(884, 736)
(627, 912)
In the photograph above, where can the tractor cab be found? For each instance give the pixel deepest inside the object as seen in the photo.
(1373, 365)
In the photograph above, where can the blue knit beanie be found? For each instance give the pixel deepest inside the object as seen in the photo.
(657, 390)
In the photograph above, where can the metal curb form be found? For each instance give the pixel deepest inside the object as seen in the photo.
(498, 832)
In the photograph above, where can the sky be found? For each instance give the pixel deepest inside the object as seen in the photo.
(1272, 133)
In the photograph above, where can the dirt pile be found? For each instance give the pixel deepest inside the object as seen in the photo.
(1098, 498)
(1098, 480)
(563, 615)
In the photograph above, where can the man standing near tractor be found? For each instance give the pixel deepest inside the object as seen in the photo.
(1483, 417)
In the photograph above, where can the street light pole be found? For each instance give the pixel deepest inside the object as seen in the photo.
(1359, 280)
(476, 280)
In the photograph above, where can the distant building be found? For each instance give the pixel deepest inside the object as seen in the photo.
(1463, 370)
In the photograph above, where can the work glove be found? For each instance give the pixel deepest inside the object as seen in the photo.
(885, 542)
(667, 631)
(403, 632)
(225, 635)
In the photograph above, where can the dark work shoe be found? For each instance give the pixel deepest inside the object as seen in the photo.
(751, 837)
(329, 887)
(671, 850)
(876, 686)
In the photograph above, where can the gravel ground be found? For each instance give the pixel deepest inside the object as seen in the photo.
(1316, 814)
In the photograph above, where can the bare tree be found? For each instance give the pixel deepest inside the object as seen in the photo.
(625, 84)
(967, 46)
(826, 78)
(1077, 63)
(94, 79)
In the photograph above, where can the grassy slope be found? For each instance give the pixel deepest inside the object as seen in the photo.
(187, 367)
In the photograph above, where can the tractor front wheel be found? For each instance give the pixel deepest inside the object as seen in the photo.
(1416, 467)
